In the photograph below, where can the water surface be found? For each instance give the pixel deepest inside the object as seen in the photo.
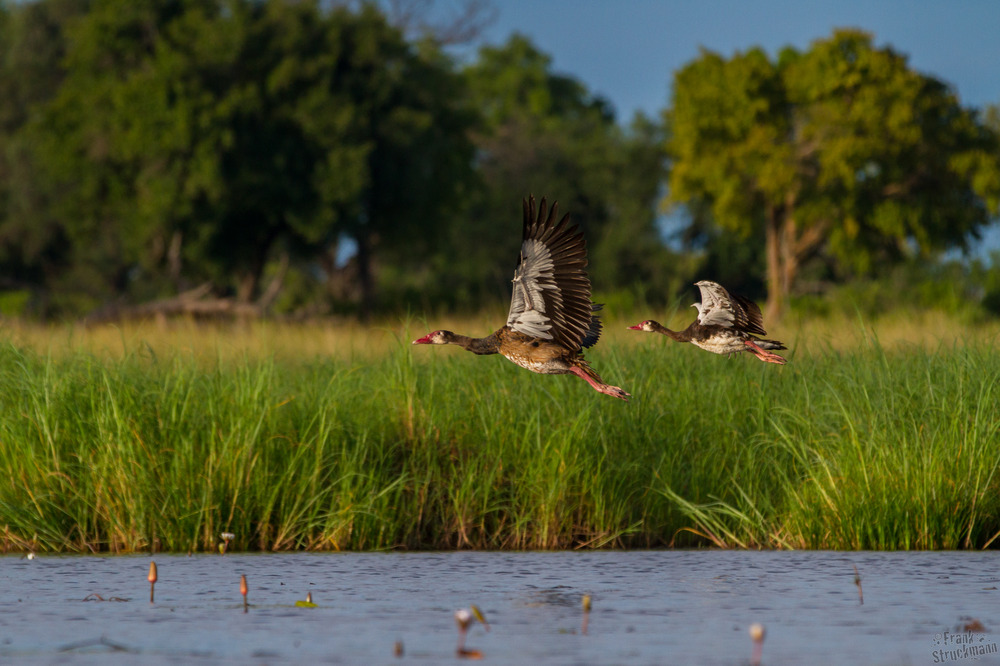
(649, 607)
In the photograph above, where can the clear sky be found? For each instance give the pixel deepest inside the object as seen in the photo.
(627, 50)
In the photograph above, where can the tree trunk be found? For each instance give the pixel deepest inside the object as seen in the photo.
(784, 254)
(246, 286)
(174, 261)
(789, 251)
(249, 281)
(274, 288)
(775, 274)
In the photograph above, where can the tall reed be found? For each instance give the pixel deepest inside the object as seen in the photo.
(165, 448)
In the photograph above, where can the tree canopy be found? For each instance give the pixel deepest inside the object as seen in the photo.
(304, 157)
(286, 153)
(842, 151)
(195, 140)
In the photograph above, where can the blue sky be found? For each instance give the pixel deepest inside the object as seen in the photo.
(628, 50)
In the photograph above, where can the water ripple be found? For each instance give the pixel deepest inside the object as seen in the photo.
(649, 607)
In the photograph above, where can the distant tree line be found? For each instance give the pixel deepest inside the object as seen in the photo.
(302, 158)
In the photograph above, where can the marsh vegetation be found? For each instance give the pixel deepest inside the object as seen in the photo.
(325, 437)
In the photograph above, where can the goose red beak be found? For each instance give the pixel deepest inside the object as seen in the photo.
(637, 327)
(426, 340)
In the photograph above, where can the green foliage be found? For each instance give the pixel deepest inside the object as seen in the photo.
(967, 290)
(14, 303)
(150, 147)
(895, 154)
(728, 122)
(193, 141)
(841, 153)
(33, 247)
(987, 279)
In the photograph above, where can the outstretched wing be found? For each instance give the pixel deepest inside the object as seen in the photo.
(551, 296)
(719, 308)
(748, 315)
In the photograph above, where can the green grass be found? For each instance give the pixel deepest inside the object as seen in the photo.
(420, 447)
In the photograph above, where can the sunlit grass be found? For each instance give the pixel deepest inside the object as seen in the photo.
(338, 436)
(348, 340)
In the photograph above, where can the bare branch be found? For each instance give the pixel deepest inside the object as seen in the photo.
(810, 237)
(460, 25)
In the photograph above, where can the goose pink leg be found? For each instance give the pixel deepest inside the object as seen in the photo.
(607, 389)
(763, 354)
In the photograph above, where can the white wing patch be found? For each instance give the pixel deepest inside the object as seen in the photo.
(715, 308)
(533, 275)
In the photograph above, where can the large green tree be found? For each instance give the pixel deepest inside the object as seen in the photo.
(842, 150)
(113, 150)
(202, 140)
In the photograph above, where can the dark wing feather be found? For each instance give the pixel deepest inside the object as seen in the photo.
(748, 317)
(551, 296)
(594, 332)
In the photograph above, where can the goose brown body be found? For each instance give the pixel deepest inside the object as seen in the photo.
(551, 318)
(726, 324)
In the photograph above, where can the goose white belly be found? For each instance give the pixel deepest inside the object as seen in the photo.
(552, 366)
(720, 345)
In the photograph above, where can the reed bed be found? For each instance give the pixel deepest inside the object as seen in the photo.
(347, 438)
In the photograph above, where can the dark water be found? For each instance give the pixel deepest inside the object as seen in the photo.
(652, 607)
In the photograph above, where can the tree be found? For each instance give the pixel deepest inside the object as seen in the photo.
(106, 145)
(842, 150)
(410, 130)
(32, 46)
(200, 140)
